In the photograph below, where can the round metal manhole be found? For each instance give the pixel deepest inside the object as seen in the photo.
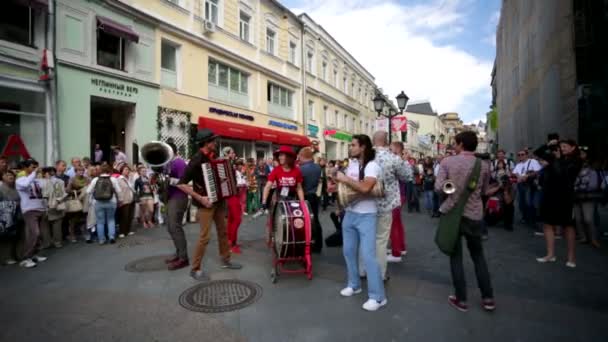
(220, 296)
(149, 264)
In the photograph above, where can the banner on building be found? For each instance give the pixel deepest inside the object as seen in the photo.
(381, 125)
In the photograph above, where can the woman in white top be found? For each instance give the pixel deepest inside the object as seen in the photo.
(104, 190)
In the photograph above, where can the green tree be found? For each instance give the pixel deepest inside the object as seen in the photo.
(493, 119)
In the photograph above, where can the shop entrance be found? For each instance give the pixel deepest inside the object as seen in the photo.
(112, 124)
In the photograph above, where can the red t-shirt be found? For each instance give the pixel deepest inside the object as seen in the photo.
(286, 179)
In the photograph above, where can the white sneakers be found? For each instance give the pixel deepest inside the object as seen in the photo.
(27, 263)
(546, 259)
(121, 236)
(571, 264)
(38, 258)
(373, 305)
(349, 292)
(391, 258)
(370, 305)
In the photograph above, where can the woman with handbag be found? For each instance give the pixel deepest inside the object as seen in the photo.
(74, 205)
(127, 204)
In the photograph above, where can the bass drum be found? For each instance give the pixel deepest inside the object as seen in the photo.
(291, 229)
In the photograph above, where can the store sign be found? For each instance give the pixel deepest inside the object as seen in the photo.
(114, 87)
(15, 147)
(231, 114)
(283, 125)
(338, 135)
(313, 131)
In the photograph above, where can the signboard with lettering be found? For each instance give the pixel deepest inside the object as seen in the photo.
(283, 125)
(313, 131)
(115, 88)
(224, 112)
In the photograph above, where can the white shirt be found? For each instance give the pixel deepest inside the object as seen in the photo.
(529, 165)
(367, 205)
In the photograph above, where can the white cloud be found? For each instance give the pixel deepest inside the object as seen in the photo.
(398, 45)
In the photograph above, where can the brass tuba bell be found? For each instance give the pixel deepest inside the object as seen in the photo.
(449, 187)
(157, 155)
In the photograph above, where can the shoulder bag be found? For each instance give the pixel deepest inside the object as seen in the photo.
(448, 232)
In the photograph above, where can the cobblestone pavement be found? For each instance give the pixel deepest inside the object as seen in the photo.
(83, 293)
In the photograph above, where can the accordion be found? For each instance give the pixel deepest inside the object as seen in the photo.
(220, 180)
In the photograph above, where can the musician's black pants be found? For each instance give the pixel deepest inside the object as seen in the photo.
(471, 231)
(317, 232)
(176, 208)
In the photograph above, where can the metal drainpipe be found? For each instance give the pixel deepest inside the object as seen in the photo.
(304, 90)
(52, 119)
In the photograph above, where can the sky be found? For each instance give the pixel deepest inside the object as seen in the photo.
(437, 50)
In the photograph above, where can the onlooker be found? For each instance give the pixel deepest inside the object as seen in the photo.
(54, 192)
(34, 213)
(119, 156)
(459, 170)
(3, 165)
(241, 184)
(252, 186)
(97, 154)
(76, 190)
(60, 168)
(428, 186)
(526, 172)
(588, 193)
(104, 190)
(71, 172)
(145, 193)
(9, 214)
(397, 235)
(126, 200)
(261, 177)
(322, 191)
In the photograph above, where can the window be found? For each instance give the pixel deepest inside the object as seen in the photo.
(345, 85)
(245, 20)
(353, 125)
(293, 48)
(17, 23)
(311, 111)
(309, 62)
(352, 89)
(270, 36)
(168, 65)
(324, 71)
(359, 95)
(229, 78)
(335, 78)
(212, 11)
(110, 50)
(336, 116)
(279, 96)
(325, 116)
(346, 123)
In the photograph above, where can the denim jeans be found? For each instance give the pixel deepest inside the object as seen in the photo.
(428, 199)
(526, 201)
(105, 214)
(359, 230)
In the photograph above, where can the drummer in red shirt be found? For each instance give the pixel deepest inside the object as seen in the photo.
(287, 177)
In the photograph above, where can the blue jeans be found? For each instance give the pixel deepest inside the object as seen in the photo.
(105, 213)
(360, 229)
(428, 199)
(526, 198)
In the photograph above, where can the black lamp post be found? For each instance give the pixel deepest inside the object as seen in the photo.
(379, 104)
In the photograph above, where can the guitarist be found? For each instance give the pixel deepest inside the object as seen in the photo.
(459, 169)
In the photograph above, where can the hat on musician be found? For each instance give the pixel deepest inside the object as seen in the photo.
(204, 135)
(286, 150)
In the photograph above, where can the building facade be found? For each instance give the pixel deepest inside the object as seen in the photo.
(107, 89)
(26, 105)
(339, 91)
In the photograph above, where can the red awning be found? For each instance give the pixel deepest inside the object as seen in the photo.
(229, 129)
(246, 132)
(294, 140)
(112, 27)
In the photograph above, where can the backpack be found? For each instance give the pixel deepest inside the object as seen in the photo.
(104, 190)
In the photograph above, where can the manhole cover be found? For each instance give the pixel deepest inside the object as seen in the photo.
(220, 296)
(149, 264)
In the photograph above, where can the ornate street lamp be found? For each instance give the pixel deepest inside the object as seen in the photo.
(379, 104)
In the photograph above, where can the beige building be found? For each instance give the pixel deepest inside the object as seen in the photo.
(255, 73)
(339, 92)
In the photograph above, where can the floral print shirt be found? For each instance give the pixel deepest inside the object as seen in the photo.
(394, 169)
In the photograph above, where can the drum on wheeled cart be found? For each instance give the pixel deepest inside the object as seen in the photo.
(289, 238)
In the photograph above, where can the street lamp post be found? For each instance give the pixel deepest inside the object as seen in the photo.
(379, 104)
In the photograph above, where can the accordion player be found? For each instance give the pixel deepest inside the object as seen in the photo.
(220, 179)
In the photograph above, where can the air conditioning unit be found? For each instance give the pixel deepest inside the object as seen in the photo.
(208, 27)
